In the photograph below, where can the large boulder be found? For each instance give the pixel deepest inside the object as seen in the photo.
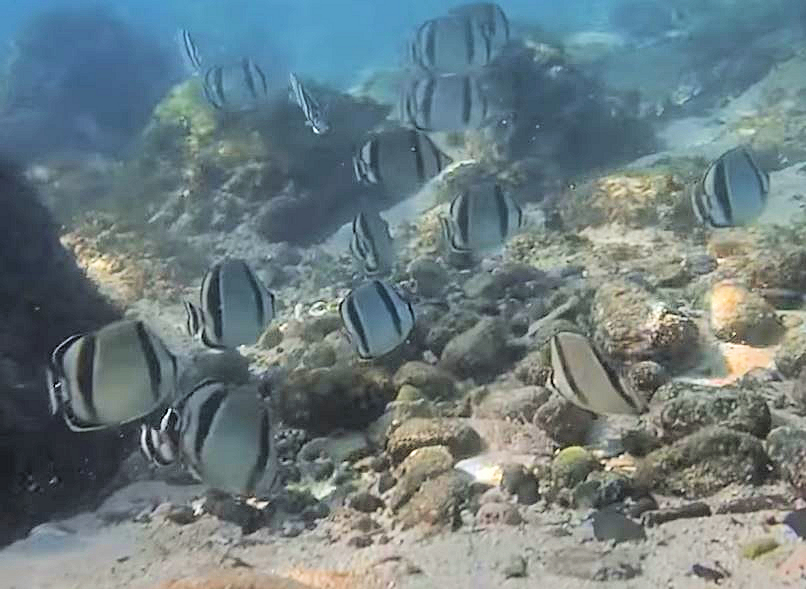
(45, 469)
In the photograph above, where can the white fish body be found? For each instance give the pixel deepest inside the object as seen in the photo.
(377, 318)
(236, 87)
(733, 191)
(112, 376)
(581, 377)
(315, 115)
(372, 246)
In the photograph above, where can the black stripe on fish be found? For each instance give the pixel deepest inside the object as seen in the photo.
(502, 211)
(416, 148)
(152, 361)
(462, 218)
(193, 319)
(264, 86)
(207, 413)
(470, 48)
(430, 43)
(567, 374)
(85, 362)
(263, 453)
(218, 77)
(722, 190)
(428, 100)
(467, 100)
(213, 303)
(391, 308)
(357, 326)
(615, 382)
(257, 293)
(761, 176)
(375, 159)
(247, 75)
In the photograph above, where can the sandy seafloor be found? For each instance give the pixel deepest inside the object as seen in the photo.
(109, 549)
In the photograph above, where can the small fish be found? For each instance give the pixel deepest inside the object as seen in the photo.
(733, 191)
(235, 306)
(109, 377)
(372, 245)
(377, 319)
(481, 218)
(236, 87)
(581, 377)
(401, 160)
(453, 44)
(223, 435)
(315, 116)
(448, 102)
(189, 52)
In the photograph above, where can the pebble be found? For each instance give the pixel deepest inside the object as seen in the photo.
(790, 358)
(430, 276)
(738, 315)
(515, 568)
(360, 541)
(292, 529)
(786, 447)
(521, 483)
(498, 513)
(572, 466)
(759, 547)
(670, 514)
(434, 382)
(616, 527)
(481, 352)
(459, 437)
(385, 482)
(564, 422)
(365, 502)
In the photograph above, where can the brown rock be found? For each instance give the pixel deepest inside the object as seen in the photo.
(563, 421)
(498, 513)
(417, 432)
(741, 316)
(419, 466)
(437, 503)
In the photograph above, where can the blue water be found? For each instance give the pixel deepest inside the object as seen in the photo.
(331, 40)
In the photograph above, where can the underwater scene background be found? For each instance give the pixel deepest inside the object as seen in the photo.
(351, 294)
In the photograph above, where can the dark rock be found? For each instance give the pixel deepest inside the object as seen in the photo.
(431, 277)
(790, 358)
(491, 514)
(703, 463)
(230, 509)
(590, 564)
(386, 481)
(632, 325)
(521, 483)
(318, 510)
(481, 352)
(181, 514)
(319, 355)
(323, 400)
(434, 382)
(440, 326)
(365, 502)
(641, 506)
(515, 404)
(646, 377)
(601, 489)
(707, 573)
(786, 447)
(461, 439)
(796, 521)
(753, 504)
(45, 469)
(437, 502)
(616, 527)
(779, 269)
(360, 541)
(294, 501)
(799, 392)
(681, 409)
(515, 568)
(563, 421)
(699, 264)
(421, 465)
(670, 514)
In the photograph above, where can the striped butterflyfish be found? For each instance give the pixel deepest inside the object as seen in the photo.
(372, 246)
(732, 192)
(401, 160)
(235, 87)
(120, 373)
(315, 115)
(377, 318)
(481, 218)
(581, 376)
(222, 434)
(235, 307)
(189, 52)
